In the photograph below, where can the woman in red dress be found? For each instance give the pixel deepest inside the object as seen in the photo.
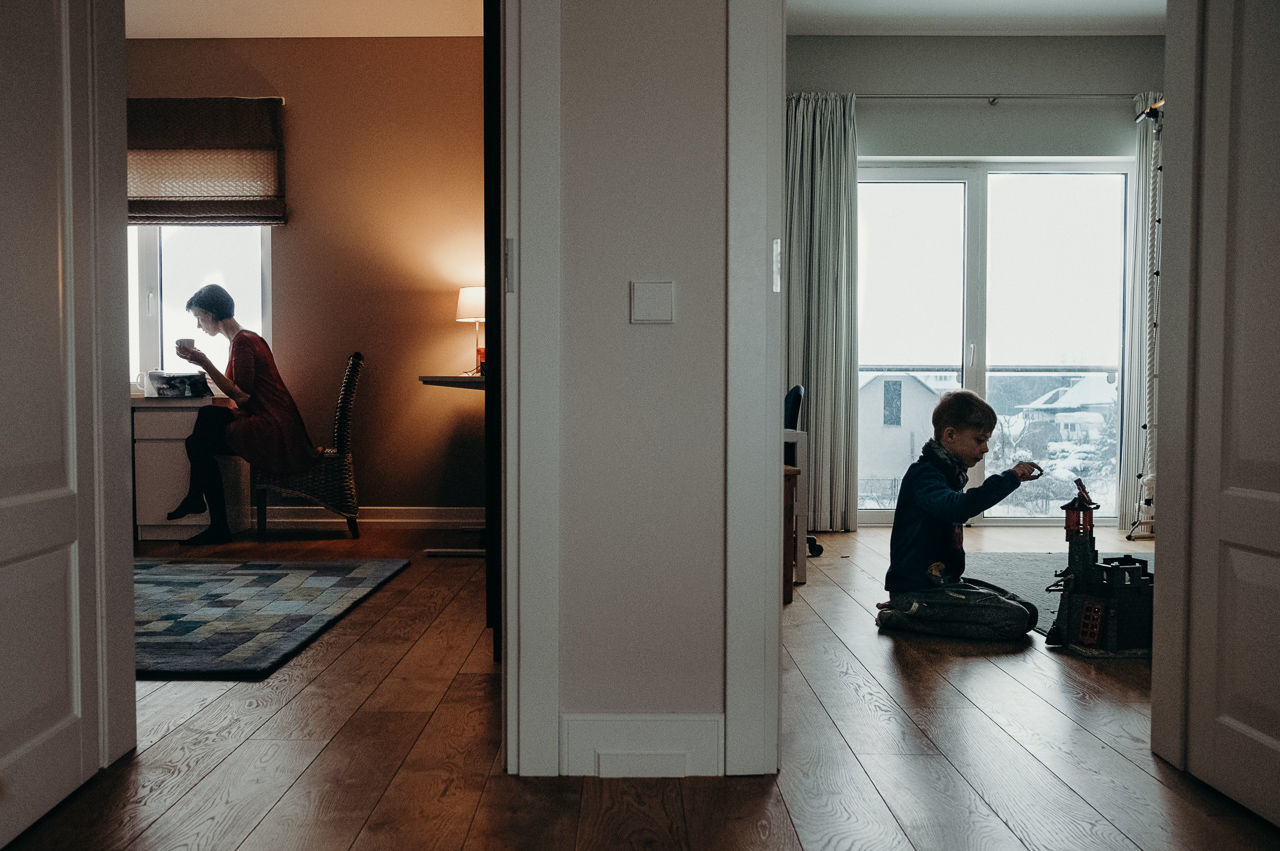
(263, 427)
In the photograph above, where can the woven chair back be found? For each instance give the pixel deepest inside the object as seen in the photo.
(346, 401)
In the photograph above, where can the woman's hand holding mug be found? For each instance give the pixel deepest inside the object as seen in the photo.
(186, 349)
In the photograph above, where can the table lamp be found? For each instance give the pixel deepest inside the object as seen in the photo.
(471, 309)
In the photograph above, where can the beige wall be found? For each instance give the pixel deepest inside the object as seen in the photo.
(642, 568)
(384, 182)
(995, 65)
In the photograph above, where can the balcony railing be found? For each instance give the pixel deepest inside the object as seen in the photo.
(1064, 417)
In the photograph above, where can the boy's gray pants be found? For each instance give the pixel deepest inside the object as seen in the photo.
(968, 609)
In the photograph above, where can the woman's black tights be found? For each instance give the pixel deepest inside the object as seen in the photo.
(208, 440)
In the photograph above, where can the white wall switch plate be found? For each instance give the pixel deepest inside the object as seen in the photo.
(653, 302)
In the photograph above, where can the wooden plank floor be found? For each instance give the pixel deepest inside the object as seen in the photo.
(386, 733)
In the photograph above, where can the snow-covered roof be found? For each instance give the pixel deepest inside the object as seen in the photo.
(1089, 392)
(892, 376)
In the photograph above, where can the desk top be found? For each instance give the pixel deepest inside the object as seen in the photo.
(473, 382)
(138, 400)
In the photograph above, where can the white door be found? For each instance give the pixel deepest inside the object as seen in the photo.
(65, 575)
(1233, 724)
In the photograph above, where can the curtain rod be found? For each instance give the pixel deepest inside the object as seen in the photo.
(991, 98)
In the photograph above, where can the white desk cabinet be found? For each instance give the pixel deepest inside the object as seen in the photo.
(161, 471)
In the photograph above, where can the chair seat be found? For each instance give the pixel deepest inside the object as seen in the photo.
(329, 483)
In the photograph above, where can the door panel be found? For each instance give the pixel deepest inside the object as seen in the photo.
(1233, 734)
(43, 753)
(35, 632)
(36, 522)
(1248, 595)
(34, 455)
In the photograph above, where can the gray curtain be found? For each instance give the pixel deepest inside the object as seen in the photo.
(821, 238)
(1142, 309)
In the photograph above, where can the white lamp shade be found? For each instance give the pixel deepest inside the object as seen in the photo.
(471, 304)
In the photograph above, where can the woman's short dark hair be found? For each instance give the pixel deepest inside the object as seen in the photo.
(962, 409)
(214, 300)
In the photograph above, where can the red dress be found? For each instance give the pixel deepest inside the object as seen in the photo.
(267, 430)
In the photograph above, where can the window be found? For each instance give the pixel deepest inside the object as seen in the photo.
(1006, 280)
(910, 319)
(1054, 292)
(892, 403)
(169, 263)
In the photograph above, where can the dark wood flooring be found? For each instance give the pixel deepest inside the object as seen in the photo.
(386, 733)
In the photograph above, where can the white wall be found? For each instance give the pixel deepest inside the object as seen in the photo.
(937, 65)
(644, 467)
(642, 569)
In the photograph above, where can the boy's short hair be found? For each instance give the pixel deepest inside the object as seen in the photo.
(214, 300)
(962, 409)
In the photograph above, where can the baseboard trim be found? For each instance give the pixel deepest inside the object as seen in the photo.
(659, 745)
(418, 517)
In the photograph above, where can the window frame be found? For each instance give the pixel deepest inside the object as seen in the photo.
(973, 173)
(148, 310)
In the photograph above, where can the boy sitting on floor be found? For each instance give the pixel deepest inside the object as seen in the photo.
(927, 591)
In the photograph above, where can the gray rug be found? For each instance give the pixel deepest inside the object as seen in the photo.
(1028, 574)
(241, 621)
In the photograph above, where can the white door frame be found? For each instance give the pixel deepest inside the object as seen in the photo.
(755, 387)
(531, 391)
(1175, 405)
(106, 427)
(532, 367)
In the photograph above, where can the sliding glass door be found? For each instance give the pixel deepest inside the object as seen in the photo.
(1055, 287)
(1008, 281)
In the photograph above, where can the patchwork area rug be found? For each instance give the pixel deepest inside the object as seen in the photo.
(241, 621)
(1028, 574)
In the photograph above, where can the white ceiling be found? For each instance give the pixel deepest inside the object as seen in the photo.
(368, 18)
(975, 17)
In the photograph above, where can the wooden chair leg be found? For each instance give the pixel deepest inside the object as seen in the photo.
(789, 531)
(351, 525)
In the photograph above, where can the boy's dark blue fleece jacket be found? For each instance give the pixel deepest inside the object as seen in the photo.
(926, 547)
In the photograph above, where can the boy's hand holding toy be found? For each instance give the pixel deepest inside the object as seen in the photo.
(1027, 471)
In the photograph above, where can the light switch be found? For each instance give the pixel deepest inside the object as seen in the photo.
(653, 302)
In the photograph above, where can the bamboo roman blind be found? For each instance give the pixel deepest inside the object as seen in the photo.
(206, 161)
